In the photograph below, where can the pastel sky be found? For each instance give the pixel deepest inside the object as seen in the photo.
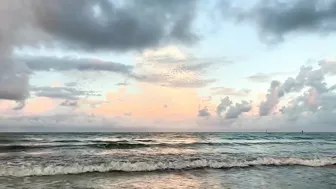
(146, 65)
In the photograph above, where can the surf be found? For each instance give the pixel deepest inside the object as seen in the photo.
(126, 166)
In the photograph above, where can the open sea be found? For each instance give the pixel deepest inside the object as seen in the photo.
(167, 160)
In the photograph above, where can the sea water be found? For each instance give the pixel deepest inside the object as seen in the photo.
(167, 160)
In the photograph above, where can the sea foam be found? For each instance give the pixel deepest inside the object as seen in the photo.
(160, 166)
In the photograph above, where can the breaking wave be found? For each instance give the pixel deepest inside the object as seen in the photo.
(160, 166)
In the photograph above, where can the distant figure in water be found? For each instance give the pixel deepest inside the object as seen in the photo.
(302, 131)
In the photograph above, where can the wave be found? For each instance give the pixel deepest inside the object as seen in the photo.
(106, 145)
(6, 141)
(119, 145)
(124, 144)
(247, 143)
(161, 166)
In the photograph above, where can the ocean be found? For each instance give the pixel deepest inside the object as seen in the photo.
(167, 160)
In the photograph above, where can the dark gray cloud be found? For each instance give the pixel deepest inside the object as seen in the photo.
(62, 92)
(59, 94)
(113, 67)
(229, 91)
(89, 25)
(107, 25)
(169, 78)
(14, 76)
(275, 18)
(13, 87)
(80, 64)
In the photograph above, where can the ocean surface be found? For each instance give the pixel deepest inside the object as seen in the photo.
(167, 160)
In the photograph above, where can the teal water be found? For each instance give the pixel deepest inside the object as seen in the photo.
(168, 160)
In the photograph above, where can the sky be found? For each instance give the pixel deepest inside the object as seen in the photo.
(146, 65)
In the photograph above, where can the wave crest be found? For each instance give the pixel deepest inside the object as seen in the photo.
(159, 166)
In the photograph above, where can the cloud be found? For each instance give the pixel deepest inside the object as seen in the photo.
(266, 77)
(329, 66)
(229, 91)
(71, 84)
(307, 77)
(13, 85)
(259, 77)
(275, 19)
(225, 103)
(312, 108)
(272, 99)
(174, 78)
(312, 103)
(14, 75)
(90, 103)
(232, 111)
(72, 63)
(62, 92)
(69, 103)
(122, 84)
(161, 67)
(106, 25)
(236, 110)
(206, 99)
(20, 105)
(98, 25)
(169, 54)
(128, 114)
(204, 112)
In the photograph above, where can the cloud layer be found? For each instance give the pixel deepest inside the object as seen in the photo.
(276, 19)
(166, 75)
(71, 63)
(106, 25)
